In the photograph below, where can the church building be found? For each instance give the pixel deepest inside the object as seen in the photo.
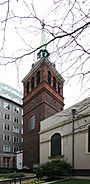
(43, 97)
(66, 136)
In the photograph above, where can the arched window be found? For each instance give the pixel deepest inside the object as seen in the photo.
(59, 87)
(32, 153)
(27, 87)
(56, 145)
(89, 138)
(38, 77)
(32, 123)
(32, 82)
(54, 83)
(49, 77)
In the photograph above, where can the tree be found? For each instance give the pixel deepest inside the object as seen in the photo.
(66, 25)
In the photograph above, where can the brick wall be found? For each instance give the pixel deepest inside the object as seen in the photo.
(41, 102)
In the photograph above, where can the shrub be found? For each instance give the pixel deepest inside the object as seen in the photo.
(54, 170)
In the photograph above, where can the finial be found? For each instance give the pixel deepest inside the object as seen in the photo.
(43, 52)
(43, 36)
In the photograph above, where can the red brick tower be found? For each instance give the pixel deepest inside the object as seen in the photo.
(43, 97)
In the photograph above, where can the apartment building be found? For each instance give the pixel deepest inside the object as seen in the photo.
(11, 125)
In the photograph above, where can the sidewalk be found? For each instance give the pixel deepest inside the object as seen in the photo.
(82, 177)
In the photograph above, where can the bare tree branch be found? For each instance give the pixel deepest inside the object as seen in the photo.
(67, 29)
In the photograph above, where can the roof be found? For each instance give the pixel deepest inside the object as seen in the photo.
(10, 93)
(82, 109)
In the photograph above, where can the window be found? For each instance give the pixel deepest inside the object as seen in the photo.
(21, 130)
(6, 105)
(22, 121)
(22, 112)
(16, 109)
(32, 153)
(32, 123)
(15, 139)
(6, 137)
(27, 87)
(56, 145)
(15, 119)
(15, 129)
(15, 149)
(6, 148)
(7, 116)
(59, 87)
(21, 139)
(6, 161)
(49, 77)
(32, 83)
(38, 77)
(54, 83)
(89, 138)
(6, 127)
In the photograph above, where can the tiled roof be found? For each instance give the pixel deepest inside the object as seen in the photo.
(82, 109)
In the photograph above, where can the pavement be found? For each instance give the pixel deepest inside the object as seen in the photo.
(82, 177)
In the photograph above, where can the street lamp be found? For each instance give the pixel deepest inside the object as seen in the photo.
(73, 116)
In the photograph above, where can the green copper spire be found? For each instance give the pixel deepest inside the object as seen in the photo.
(43, 52)
(43, 36)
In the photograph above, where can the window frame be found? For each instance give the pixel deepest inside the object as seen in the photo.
(32, 122)
(7, 148)
(16, 139)
(32, 83)
(38, 78)
(6, 127)
(59, 87)
(16, 129)
(6, 137)
(56, 152)
(54, 83)
(49, 77)
(16, 148)
(7, 106)
(15, 119)
(27, 87)
(32, 154)
(16, 109)
(7, 116)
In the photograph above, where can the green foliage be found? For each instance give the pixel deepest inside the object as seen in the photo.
(54, 169)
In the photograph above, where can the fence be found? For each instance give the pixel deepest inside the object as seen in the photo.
(20, 180)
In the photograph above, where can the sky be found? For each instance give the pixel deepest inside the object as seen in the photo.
(12, 74)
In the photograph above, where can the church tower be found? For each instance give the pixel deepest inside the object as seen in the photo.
(43, 97)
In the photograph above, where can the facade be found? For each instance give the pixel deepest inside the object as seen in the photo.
(56, 137)
(43, 97)
(10, 125)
